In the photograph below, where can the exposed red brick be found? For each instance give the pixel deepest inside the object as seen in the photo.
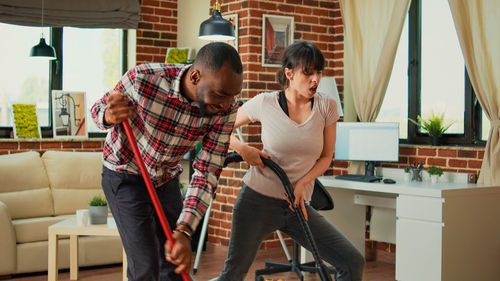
(457, 163)
(407, 151)
(475, 164)
(426, 152)
(72, 145)
(480, 154)
(437, 162)
(447, 153)
(90, 144)
(9, 145)
(467, 154)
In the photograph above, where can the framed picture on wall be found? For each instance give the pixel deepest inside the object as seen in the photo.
(68, 114)
(25, 121)
(277, 34)
(178, 55)
(234, 20)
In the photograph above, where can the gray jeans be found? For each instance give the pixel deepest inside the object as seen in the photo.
(255, 216)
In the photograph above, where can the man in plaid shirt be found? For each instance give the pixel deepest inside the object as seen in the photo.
(171, 108)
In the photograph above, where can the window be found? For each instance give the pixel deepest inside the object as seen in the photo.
(89, 60)
(23, 79)
(429, 70)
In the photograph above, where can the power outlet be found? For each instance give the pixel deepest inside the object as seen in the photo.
(472, 178)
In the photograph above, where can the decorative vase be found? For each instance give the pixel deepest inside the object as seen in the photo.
(434, 178)
(436, 140)
(98, 214)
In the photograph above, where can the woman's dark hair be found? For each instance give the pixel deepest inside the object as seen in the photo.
(304, 54)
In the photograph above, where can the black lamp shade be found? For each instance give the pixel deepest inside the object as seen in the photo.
(42, 50)
(216, 28)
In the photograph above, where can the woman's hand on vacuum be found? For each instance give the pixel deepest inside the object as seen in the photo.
(252, 155)
(298, 192)
(180, 255)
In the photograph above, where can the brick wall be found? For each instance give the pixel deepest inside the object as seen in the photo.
(157, 30)
(10, 146)
(317, 21)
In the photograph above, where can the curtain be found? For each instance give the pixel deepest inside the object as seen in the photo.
(477, 24)
(76, 13)
(372, 32)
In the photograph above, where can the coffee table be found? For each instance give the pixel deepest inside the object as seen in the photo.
(70, 227)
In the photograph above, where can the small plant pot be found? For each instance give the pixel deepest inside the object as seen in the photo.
(408, 177)
(436, 140)
(434, 178)
(98, 214)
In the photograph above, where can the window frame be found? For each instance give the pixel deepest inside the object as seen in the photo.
(55, 81)
(472, 109)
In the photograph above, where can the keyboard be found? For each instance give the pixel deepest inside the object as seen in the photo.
(361, 178)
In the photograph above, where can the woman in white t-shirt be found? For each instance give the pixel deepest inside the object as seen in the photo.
(298, 133)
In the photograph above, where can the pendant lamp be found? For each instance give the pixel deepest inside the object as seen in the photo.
(216, 28)
(42, 50)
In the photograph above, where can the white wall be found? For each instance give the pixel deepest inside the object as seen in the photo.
(190, 14)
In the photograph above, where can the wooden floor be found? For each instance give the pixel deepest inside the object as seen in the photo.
(211, 263)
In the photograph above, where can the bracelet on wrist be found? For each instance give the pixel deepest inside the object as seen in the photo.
(184, 232)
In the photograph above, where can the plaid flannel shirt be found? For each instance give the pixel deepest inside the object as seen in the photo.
(167, 126)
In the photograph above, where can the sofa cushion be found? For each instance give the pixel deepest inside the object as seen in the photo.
(75, 175)
(34, 229)
(24, 187)
(28, 203)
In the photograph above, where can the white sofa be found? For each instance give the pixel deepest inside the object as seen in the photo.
(36, 192)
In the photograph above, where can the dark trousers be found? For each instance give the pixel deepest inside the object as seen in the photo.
(140, 229)
(255, 216)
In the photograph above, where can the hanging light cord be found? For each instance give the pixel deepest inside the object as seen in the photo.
(42, 18)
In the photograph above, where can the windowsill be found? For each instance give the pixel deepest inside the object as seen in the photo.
(454, 146)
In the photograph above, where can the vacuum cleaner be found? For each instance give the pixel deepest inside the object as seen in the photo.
(321, 268)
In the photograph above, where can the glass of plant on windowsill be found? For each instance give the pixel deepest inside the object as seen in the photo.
(434, 126)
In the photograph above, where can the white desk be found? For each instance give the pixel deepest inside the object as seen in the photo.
(69, 227)
(444, 231)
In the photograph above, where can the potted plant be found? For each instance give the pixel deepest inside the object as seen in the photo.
(435, 173)
(98, 210)
(407, 174)
(434, 126)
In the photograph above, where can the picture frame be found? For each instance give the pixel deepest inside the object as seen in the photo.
(179, 55)
(25, 121)
(233, 18)
(277, 34)
(69, 114)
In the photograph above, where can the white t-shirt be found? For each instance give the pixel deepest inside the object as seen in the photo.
(294, 147)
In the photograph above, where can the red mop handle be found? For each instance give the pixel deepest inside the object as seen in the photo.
(151, 190)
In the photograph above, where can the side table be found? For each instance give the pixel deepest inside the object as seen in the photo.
(70, 227)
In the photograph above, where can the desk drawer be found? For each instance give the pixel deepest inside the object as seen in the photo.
(419, 208)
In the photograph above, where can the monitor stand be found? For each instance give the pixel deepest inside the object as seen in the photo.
(369, 168)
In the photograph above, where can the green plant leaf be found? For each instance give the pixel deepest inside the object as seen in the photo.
(433, 126)
(98, 200)
(433, 170)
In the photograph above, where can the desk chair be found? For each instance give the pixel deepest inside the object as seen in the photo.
(320, 201)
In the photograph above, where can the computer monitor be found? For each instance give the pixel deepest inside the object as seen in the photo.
(367, 141)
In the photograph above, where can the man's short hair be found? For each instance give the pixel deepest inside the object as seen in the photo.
(214, 55)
